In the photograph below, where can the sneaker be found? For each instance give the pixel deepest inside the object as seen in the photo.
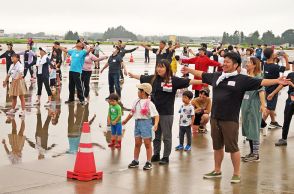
(83, 103)
(281, 142)
(69, 101)
(247, 156)
(212, 175)
(164, 161)
(236, 179)
(148, 166)
(134, 164)
(37, 102)
(274, 125)
(22, 113)
(11, 112)
(155, 158)
(252, 158)
(179, 147)
(263, 123)
(187, 148)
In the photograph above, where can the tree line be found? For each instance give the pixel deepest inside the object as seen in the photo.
(267, 37)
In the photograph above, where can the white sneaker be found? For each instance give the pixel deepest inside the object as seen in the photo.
(22, 113)
(37, 102)
(11, 112)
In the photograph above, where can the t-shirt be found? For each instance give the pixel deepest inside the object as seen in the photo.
(114, 112)
(77, 60)
(258, 52)
(163, 54)
(228, 94)
(291, 77)
(114, 63)
(89, 62)
(272, 71)
(186, 114)
(16, 70)
(149, 109)
(41, 62)
(163, 94)
(52, 74)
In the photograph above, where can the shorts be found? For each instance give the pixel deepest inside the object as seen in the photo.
(53, 82)
(197, 118)
(225, 133)
(271, 104)
(143, 128)
(116, 129)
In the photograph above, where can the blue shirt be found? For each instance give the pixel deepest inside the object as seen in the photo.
(77, 60)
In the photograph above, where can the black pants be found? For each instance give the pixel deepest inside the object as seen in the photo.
(7, 67)
(147, 58)
(288, 113)
(86, 75)
(196, 93)
(113, 81)
(28, 68)
(75, 83)
(40, 81)
(185, 130)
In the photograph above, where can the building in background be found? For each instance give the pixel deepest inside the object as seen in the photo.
(1, 33)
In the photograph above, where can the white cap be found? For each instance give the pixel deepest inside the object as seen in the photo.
(43, 49)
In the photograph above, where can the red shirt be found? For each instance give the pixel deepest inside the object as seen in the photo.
(201, 63)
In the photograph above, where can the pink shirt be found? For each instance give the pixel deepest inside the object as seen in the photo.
(90, 58)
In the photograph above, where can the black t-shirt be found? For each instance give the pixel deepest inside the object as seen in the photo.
(163, 95)
(8, 54)
(291, 77)
(272, 71)
(228, 95)
(163, 54)
(59, 54)
(114, 63)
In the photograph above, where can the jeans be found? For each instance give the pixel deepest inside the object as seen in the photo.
(288, 113)
(86, 75)
(113, 81)
(185, 130)
(75, 83)
(28, 68)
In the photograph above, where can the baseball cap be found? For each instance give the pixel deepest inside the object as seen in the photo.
(206, 91)
(146, 87)
(43, 49)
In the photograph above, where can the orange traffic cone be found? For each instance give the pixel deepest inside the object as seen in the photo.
(85, 168)
(131, 58)
(3, 61)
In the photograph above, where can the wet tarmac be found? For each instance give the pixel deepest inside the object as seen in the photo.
(41, 147)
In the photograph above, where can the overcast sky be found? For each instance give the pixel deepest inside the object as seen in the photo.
(148, 17)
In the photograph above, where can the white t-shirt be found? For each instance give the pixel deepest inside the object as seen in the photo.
(40, 63)
(144, 104)
(15, 70)
(186, 114)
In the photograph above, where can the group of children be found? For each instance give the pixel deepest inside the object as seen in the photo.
(193, 113)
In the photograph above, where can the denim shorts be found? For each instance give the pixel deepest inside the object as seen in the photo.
(271, 104)
(116, 129)
(143, 128)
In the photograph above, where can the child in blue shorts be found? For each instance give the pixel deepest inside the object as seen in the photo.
(143, 110)
(114, 120)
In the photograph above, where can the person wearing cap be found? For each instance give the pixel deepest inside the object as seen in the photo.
(202, 106)
(229, 88)
(7, 55)
(143, 111)
(164, 89)
(78, 56)
(43, 76)
(202, 63)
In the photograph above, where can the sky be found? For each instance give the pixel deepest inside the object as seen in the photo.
(148, 17)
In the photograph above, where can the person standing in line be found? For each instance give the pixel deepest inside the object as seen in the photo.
(7, 55)
(78, 56)
(272, 71)
(30, 60)
(18, 87)
(253, 105)
(43, 76)
(97, 51)
(164, 89)
(229, 88)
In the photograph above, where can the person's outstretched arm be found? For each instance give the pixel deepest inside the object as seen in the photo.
(105, 66)
(146, 47)
(270, 82)
(186, 70)
(135, 76)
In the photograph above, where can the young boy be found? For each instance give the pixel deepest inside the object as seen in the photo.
(143, 110)
(186, 120)
(114, 120)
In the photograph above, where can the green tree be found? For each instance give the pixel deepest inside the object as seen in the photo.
(288, 36)
(119, 32)
(268, 38)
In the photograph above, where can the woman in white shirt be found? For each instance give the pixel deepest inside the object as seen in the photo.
(18, 86)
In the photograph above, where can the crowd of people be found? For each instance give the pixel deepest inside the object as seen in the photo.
(246, 80)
